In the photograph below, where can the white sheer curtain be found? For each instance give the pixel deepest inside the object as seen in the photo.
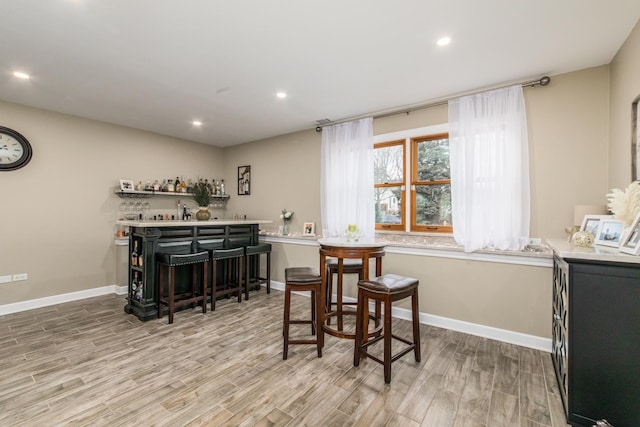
(489, 158)
(346, 187)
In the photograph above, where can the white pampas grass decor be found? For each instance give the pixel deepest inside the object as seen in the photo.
(625, 205)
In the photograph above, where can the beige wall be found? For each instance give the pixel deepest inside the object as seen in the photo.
(57, 213)
(625, 88)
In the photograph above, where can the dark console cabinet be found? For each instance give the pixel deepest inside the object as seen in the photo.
(596, 339)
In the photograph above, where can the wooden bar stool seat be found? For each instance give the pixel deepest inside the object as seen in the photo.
(303, 279)
(386, 289)
(169, 261)
(251, 252)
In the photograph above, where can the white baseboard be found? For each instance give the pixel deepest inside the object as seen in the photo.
(524, 340)
(59, 299)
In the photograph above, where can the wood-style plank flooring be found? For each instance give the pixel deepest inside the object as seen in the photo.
(89, 363)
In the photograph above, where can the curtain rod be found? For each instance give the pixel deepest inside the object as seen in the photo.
(542, 81)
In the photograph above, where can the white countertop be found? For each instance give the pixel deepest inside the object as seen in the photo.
(565, 249)
(191, 223)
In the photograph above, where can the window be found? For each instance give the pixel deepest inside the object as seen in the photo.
(389, 183)
(428, 209)
(430, 184)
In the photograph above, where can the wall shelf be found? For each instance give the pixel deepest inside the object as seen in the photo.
(146, 194)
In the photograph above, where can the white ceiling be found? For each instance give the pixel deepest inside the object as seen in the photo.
(159, 64)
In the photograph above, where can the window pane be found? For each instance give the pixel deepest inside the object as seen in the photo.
(433, 160)
(389, 205)
(388, 164)
(433, 204)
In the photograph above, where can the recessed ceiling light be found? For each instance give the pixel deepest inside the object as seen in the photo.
(196, 123)
(281, 95)
(443, 41)
(21, 75)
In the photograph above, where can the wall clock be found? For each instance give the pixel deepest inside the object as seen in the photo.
(15, 150)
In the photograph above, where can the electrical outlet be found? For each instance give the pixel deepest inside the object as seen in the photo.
(18, 277)
(5, 279)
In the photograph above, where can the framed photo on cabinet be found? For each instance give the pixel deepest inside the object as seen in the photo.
(631, 244)
(610, 233)
(591, 223)
(244, 180)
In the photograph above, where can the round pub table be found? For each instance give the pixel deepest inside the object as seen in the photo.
(342, 248)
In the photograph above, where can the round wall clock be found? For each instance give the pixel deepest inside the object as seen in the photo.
(15, 150)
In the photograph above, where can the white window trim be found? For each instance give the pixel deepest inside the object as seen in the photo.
(407, 135)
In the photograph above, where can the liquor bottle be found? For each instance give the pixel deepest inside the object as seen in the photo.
(134, 282)
(171, 188)
(163, 187)
(179, 217)
(140, 259)
(213, 187)
(156, 185)
(134, 254)
(178, 185)
(185, 213)
(190, 186)
(139, 186)
(222, 190)
(218, 189)
(206, 183)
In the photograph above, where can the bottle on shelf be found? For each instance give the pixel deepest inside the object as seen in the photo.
(134, 254)
(179, 216)
(134, 282)
(213, 187)
(171, 188)
(139, 186)
(148, 186)
(218, 189)
(164, 186)
(206, 183)
(178, 185)
(140, 259)
(190, 186)
(156, 185)
(222, 189)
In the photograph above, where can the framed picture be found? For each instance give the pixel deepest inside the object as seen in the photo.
(309, 229)
(591, 223)
(631, 244)
(244, 180)
(126, 185)
(609, 233)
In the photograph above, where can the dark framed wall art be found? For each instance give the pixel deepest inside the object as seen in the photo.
(244, 180)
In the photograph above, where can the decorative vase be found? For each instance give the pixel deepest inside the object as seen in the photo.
(285, 229)
(203, 213)
(584, 239)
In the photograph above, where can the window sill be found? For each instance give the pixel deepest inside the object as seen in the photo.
(428, 244)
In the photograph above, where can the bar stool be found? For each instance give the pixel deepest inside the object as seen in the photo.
(231, 259)
(349, 266)
(387, 289)
(255, 251)
(169, 261)
(302, 279)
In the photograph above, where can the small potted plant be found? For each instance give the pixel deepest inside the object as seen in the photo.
(202, 197)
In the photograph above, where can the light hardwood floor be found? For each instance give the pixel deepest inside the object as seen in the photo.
(89, 363)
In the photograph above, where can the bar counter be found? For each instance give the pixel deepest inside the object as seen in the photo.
(146, 238)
